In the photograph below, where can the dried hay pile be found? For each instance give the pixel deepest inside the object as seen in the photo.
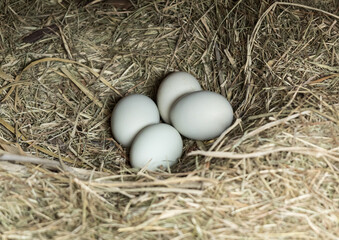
(273, 175)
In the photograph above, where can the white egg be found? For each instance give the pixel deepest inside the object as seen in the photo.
(130, 115)
(156, 145)
(171, 88)
(201, 115)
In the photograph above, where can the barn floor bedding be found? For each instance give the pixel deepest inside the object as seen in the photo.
(273, 175)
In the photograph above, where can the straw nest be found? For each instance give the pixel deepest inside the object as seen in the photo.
(272, 175)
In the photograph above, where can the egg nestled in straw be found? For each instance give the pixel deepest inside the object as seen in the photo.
(171, 88)
(130, 115)
(201, 115)
(155, 146)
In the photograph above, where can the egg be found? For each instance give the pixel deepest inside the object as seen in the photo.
(155, 146)
(130, 115)
(201, 115)
(171, 88)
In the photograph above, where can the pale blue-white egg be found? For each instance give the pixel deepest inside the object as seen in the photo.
(171, 88)
(157, 145)
(201, 115)
(130, 115)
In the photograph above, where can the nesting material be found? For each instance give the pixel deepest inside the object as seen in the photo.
(272, 175)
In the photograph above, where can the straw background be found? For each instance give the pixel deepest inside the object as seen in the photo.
(272, 175)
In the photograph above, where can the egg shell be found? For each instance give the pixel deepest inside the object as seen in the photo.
(130, 115)
(201, 115)
(171, 88)
(156, 145)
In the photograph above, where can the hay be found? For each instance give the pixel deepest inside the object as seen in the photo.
(273, 175)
